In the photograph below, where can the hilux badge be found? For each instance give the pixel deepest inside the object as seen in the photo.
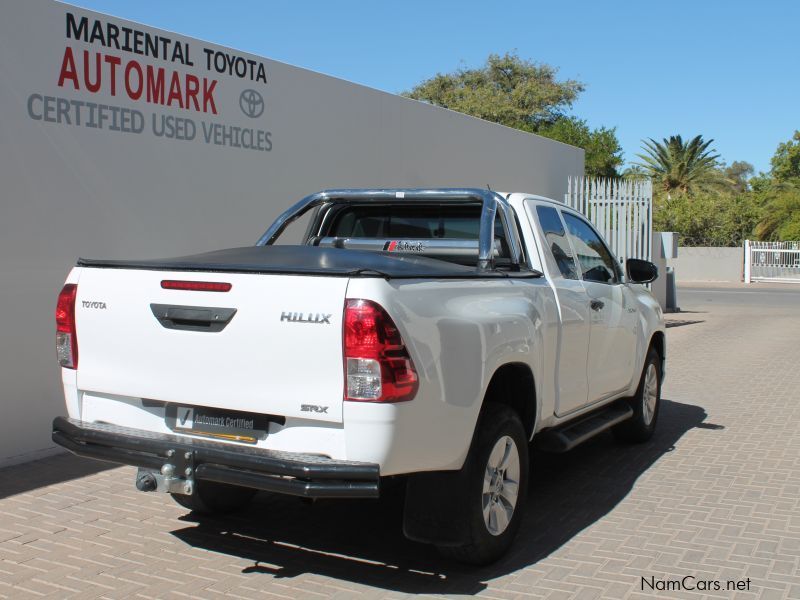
(298, 317)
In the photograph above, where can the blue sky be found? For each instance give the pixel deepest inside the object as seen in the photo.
(728, 70)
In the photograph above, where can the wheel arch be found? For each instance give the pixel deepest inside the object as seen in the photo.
(513, 384)
(659, 343)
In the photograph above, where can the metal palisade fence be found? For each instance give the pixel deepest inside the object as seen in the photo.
(620, 209)
(772, 261)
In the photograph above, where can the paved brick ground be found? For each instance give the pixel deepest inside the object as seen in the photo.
(714, 495)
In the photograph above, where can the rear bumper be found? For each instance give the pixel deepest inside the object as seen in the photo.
(295, 474)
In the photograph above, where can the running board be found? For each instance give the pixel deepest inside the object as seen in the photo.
(566, 437)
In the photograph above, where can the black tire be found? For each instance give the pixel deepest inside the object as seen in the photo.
(642, 425)
(212, 498)
(497, 422)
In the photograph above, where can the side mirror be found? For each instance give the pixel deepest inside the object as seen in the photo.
(640, 271)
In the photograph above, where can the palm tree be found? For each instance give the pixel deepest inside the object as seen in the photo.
(676, 166)
(781, 215)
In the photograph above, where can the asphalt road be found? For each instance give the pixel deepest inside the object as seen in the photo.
(694, 297)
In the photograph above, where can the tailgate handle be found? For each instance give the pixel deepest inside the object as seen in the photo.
(193, 318)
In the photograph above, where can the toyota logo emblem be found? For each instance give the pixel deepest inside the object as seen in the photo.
(251, 103)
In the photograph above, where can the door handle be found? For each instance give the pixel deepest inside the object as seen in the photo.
(597, 304)
(193, 318)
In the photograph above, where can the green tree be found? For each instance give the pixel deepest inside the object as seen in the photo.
(507, 90)
(780, 216)
(678, 166)
(740, 216)
(786, 161)
(708, 202)
(739, 174)
(524, 95)
(603, 150)
(777, 193)
(634, 172)
(707, 218)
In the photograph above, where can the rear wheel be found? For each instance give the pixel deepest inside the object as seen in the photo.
(645, 403)
(212, 498)
(495, 487)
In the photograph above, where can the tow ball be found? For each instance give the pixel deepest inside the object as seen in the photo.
(175, 477)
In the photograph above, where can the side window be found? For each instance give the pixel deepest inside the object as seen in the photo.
(557, 242)
(596, 261)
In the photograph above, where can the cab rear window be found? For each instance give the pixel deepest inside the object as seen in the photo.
(412, 222)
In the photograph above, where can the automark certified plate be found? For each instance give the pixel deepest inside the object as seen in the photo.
(217, 423)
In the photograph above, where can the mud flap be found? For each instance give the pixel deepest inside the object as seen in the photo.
(436, 508)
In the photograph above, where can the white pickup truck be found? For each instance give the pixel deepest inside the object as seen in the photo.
(428, 334)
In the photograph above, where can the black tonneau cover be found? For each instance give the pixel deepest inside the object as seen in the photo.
(308, 260)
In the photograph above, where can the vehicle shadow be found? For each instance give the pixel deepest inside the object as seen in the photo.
(362, 541)
(680, 323)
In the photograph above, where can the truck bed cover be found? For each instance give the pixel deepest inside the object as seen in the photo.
(307, 260)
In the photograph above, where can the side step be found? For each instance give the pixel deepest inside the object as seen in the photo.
(569, 435)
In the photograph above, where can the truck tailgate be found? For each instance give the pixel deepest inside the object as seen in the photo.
(280, 352)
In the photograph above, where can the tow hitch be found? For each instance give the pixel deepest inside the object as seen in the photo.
(176, 475)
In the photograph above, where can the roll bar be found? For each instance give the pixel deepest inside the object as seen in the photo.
(492, 203)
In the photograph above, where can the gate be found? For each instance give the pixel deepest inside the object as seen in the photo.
(772, 261)
(620, 209)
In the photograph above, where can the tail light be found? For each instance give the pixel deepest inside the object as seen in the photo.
(377, 365)
(66, 338)
(196, 286)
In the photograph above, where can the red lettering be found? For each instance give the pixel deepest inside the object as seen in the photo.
(192, 88)
(92, 87)
(155, 85)
(175, 90)
(208, 95)
(134, 93)
(114, 62)
(140, 82)
(68, 70)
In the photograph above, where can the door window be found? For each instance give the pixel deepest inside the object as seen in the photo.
(556, 239)
(595, 260)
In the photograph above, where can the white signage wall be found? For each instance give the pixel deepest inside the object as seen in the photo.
(118, 140)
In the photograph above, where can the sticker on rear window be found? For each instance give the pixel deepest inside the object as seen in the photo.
(403, 246)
